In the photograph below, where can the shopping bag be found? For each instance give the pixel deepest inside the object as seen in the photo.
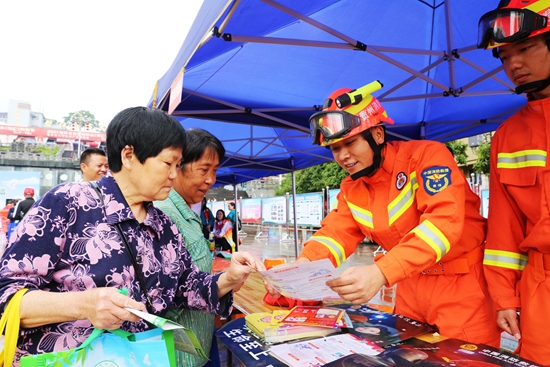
(9, 326)
(151, 348)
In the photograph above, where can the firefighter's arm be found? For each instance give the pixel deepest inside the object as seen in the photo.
(440, 198)
(503, 259)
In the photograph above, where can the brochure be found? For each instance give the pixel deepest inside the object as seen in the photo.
(263, 326)
(360, 360)
(303, 281)
(314, 316)
(380, 327)
(319, 352)
(184, 339)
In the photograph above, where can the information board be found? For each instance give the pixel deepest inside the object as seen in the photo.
(309, 209)
(274, 210)
(251, 210)
(332, 198)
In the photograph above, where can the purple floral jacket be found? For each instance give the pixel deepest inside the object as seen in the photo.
(67, 242)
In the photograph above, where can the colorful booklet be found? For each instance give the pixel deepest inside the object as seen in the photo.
(380, 327)
(436, 350)
(314, 316)
(262, 324)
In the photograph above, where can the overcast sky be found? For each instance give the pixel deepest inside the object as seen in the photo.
(102, 56)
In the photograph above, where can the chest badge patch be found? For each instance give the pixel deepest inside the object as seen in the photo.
(401, 180)
(436, 179)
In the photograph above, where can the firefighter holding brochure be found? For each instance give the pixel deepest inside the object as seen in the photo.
(411, 199)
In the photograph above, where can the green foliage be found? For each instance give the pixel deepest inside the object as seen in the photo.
(49, 152)
(81, 118)
(483, 157)
(314, 179)
(459, 151)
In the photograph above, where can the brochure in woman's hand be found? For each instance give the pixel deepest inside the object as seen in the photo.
(303, 281)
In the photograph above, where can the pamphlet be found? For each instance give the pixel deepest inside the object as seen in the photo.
(303, 281)
(318, 352)
(360, 360)
(314, 316)
(262, 325)
(184, 339)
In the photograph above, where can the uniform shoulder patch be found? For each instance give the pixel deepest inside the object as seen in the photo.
(401, 180)
(436, 179)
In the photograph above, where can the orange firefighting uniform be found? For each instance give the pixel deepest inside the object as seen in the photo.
(517, 256)
(419, 207)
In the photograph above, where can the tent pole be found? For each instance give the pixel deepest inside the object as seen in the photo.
(236, 230)
(294, 207)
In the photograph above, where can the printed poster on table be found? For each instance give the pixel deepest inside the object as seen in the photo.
(309, 209)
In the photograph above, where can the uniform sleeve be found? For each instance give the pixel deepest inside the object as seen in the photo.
(440, 198)
(30, 260)
(506, 226)
(338, 237)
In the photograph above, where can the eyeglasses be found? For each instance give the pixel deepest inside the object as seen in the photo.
(332, 124)
(508, 25)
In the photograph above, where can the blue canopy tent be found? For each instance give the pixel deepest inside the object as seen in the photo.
(251, 64)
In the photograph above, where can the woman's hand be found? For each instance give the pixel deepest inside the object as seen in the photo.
(107, 308)
(103, 307)
(242, 264)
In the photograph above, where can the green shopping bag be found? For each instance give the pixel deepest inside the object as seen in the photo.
(113, 348)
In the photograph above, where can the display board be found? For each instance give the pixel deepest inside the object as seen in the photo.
(309, 209)
(274, 210)
(217, 205)
(13, 184)
(485, 203)
(332, 198)
(251, 210)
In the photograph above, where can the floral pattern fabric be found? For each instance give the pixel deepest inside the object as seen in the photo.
(67, 242)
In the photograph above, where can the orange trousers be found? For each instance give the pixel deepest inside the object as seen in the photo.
(534, 323)
(458, 305)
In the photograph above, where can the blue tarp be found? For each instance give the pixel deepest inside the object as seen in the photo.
(255, 70)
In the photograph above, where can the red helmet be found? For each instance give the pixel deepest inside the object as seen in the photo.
(513, 20)
(29, 191)
(346, 113)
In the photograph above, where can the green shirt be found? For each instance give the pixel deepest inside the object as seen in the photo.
(190, 227)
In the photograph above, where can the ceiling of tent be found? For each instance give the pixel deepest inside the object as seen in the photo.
(270, 64)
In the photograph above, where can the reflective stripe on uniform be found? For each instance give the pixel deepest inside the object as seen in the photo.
(404, 200)
(430, 234)
(361, 215)
(521, 159)
(505, 259)
(334, 247)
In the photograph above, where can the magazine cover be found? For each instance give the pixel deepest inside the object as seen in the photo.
(314, 316)
(360, 360)
(380, 327)
(437, 351)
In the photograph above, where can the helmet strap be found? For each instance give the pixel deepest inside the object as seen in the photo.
(533, 87)
(377, 158)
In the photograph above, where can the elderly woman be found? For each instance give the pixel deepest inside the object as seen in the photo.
(201, 159)
(68, 252)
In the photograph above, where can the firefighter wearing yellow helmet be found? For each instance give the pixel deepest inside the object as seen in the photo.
(411, 199)
(517, 253)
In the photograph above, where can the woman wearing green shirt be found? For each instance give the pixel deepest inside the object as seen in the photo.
(201, 158)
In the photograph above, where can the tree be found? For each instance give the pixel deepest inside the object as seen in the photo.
(81, 119)
(314, 179)
(483, 157)
(459, 151)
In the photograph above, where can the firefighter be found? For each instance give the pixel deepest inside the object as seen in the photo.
(411, 199)
(517, 254)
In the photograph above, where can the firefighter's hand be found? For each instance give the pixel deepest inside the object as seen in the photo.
(358, 284)
(508, 321)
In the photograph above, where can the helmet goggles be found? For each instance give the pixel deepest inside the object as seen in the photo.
(332, 124)
(508, 25)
